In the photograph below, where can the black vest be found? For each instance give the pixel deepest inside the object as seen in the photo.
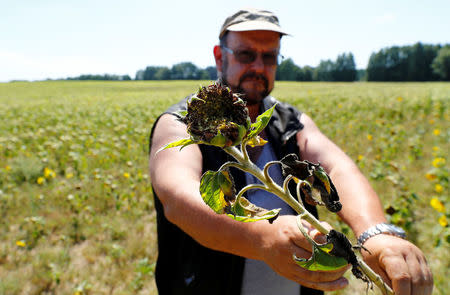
(186, 267)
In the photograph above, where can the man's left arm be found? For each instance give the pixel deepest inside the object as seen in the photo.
(397, 260)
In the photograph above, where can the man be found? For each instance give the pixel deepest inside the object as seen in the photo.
(201, 252)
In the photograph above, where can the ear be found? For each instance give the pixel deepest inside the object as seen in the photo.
(218, 57)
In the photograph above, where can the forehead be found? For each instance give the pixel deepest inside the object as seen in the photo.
(254, 39)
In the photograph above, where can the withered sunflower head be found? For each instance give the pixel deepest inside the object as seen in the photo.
(217, 116)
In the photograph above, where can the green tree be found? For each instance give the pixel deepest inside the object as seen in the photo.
(288, 71)
(184, 71)
(163, 73)
(441, 64)
(149, 73)
(344, 68)
(212, 72)
(324, 71)
(307, 73)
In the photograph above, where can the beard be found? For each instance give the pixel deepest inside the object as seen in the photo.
(251, 96)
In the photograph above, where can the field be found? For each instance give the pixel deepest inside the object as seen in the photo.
(76, 207)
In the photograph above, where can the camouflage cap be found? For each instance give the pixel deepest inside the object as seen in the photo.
(251, 20)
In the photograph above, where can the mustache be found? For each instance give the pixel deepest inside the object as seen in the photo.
(255, 76)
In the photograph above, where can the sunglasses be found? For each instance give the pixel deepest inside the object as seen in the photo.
(248, 56)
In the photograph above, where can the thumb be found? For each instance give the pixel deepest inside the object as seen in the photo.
(319, 237)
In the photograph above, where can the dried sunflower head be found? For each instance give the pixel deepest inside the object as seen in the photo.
(217, 116)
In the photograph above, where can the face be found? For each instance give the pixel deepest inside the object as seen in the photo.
(254, 79)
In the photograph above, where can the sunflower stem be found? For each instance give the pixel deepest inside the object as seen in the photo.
(246, 165)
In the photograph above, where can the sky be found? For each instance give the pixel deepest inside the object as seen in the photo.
(66, 38)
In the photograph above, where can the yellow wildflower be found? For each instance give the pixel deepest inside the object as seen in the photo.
(437, 205)
(438, 188)
(436, 148)
(126, 175)
(436, 132)
(340, 105)
(430, 176)
(399, 99)
(49, 173)
(360, 157)
(40, 180)
(438, 162)
(443, 221)
(7, 167)
(369, 136)
(21, 243)
(69, 175)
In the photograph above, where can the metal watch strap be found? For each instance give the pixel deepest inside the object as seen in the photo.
(381, 228)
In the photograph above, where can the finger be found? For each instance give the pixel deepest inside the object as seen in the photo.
(324, 286)
(428, 276)
(317, 235)
(398, 272)
(417, 276)
(301, 253)
(421, 277)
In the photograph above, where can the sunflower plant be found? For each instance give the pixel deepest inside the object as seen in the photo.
(217, 116)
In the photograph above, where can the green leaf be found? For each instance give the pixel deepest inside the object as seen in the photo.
(181, 113)
(261, 122)
(214, 186)
(182, 142)
(247, 212)
(323, 177)
(321, 259)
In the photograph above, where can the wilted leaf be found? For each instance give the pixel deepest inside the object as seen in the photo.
(256, 141)
(316, 176)
(343, 248)
(217, 191)
(214, 187)
(247, 212)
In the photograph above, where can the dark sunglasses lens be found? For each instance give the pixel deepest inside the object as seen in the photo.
(270, 58)
(246, 56)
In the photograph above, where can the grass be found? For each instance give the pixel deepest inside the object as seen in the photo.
(76, 206)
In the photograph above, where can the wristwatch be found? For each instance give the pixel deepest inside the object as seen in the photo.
(381, 228)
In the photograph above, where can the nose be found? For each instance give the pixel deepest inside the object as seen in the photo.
(258, 64)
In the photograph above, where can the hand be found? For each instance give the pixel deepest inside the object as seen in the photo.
(282, 239)
(401, 264)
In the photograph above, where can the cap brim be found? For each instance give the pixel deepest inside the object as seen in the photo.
(256, 26)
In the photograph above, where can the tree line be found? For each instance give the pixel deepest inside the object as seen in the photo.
(105, 77)
(418, 62)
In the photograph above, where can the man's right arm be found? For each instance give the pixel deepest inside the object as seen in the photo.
(176, 178)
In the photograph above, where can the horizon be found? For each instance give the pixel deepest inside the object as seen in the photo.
(54, 40)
